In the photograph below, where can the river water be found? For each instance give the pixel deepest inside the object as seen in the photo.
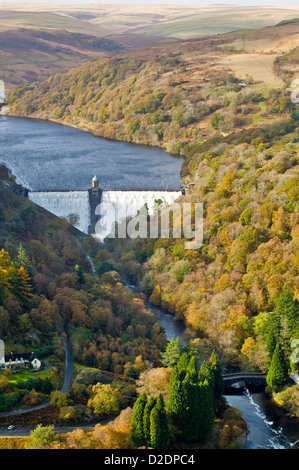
(268, 426)
(48, 156)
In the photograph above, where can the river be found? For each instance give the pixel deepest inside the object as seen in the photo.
(48, 156)
(268, 426)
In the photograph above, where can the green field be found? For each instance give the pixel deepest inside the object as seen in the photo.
(23, 375)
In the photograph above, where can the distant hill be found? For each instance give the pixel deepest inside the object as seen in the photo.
(33, 54)
(291, 21)
(126, 27)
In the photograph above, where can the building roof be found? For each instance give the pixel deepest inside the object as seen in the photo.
(18, 356)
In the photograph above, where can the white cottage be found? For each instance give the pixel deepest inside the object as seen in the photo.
(15, 361)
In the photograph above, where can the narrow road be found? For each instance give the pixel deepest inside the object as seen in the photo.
(69, 365)
(25, 431)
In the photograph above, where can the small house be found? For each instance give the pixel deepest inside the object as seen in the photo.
(16, 361)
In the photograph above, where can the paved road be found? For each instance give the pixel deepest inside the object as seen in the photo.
(69, 365)
(24, 431)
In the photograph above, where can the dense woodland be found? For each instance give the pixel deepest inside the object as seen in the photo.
(237, 294)
(46, 285)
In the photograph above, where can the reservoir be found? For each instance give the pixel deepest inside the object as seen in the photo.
(46, 156)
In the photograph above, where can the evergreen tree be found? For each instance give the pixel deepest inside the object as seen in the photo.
(182, 398)
(23, 260)
(287, 311)
(183, 363)
(216, 368)
(146, 419)
(163, 422)
(172, 353)
(159, 432)
(190, 421)
(278, 370)
(271, 341)
(138, 437)
(174, 397)
(206, 410)
(192, 369)
(155, 429)
(205, 373)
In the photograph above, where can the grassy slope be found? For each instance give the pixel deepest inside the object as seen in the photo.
(36, 45)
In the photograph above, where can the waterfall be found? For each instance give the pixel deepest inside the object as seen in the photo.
(72, 205)
(128, 203)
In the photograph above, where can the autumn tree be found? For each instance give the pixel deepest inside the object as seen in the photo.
(42, 436)
(105, 400)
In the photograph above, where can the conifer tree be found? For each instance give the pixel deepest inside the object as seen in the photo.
(182, 398)
(205, 373)
(206, 410)
(155, 429)
(138, 437)
(172, 353)
(174, 397)
(159, 432)
(192, 369)
(190, 420)
(146, 419)
(183, 363)
(271, 341)
(278, 370)
(23, 260)
(216, 368)
(287, 311)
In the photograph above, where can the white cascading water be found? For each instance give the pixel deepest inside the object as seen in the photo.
(129, 203)
(72, 205)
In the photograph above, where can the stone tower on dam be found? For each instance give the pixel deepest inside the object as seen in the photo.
(95, 197)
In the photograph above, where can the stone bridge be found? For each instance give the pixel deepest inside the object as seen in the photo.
(236, 383)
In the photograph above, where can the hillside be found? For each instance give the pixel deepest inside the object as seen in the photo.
(46, 285)
(160, 97)
(37, 45)
(160, 21)
(239, 135)
(58, 38)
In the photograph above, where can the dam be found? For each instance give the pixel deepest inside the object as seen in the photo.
(85, 209)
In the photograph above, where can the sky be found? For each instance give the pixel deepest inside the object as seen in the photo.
(291, 3)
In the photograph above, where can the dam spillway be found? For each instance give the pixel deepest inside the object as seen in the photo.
(71, 205)
(83, 209)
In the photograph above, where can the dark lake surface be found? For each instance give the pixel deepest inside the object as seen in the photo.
(49, 156)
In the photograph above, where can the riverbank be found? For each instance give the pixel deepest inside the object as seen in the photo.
(5, 111)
